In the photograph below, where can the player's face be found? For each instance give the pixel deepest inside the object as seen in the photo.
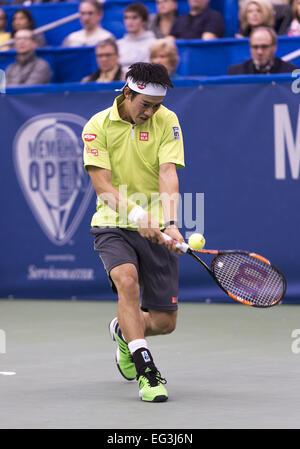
(298, 7)
(89, 16)
(254, 15)
(262, 48)
(142, 107)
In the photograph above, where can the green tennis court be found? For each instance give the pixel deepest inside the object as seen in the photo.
(227, 366)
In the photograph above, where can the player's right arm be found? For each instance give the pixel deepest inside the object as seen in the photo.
(97, 164)
(101, 180)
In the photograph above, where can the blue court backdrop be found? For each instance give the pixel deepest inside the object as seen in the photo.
(242, 151)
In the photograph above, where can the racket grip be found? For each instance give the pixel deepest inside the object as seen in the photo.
(184, 247)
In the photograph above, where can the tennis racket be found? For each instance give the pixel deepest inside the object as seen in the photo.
(246, 277)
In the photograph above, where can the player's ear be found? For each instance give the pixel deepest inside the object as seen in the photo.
(127, 93)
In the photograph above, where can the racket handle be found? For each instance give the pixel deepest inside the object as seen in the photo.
(184, 247)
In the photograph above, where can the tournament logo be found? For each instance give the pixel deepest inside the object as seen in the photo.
(47, 154)
(176, 135)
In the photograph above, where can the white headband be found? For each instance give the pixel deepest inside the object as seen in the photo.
(157, 90)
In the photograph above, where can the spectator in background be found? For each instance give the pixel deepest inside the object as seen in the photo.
(4, 35)
(255, 13)
(107, 57)
(135, 45)
(22, 20)
(283, 18)
(201, 22)
(91, 13)
(294, 29)
(28, 69)
(164, 52)
(162, 22)
(263, 46)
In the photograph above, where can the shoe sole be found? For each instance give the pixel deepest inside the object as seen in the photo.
(160, 398)
(111, 327)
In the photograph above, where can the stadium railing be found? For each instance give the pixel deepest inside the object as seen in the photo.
(197, 57)
(113, 16)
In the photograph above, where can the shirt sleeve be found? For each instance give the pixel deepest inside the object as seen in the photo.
(171, 147)
(95, 148)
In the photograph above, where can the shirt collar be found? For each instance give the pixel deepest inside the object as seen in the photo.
(114, 113)
(264, 68)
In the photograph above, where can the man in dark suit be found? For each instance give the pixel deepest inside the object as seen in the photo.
(263, 46)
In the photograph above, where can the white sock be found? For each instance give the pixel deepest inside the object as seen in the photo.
(136, 344)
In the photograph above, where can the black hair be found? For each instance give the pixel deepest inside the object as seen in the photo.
(139, 8)
(28, 15)
(149, 73)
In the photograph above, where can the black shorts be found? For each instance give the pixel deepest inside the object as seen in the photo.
(157, 267)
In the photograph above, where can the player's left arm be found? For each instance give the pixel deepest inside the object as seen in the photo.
(169, 197)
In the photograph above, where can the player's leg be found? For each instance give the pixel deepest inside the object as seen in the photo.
(129, 324)
(131, 321)
(159, 322)
(158, 275)
(125, 278)
(120, 258)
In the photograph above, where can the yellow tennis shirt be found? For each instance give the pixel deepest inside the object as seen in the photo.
(133, 154)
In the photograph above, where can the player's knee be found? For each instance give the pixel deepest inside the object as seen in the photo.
(127, 284)
(168, 325)
(169, 328)
(125, 279)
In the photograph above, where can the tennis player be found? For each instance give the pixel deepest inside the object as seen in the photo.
(132, 151)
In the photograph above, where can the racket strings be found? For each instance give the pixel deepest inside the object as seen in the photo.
(248, 278)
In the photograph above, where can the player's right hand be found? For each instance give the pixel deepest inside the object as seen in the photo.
(149, 229)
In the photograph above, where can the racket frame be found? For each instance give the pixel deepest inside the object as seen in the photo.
(224, 252)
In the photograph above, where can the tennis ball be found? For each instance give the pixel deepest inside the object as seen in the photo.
(196, 241)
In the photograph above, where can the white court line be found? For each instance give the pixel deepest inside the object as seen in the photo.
(8, 373)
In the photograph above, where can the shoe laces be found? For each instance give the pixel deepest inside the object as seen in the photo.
(154, 377)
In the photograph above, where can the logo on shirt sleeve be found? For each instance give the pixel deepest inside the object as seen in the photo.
(144, 136)
(176, 135)
(89, 137)
(92, 151)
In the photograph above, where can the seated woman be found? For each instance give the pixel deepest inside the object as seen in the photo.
(4, 35)
(254, 13)
(164, 52)
(294, 29)
(107, 57)
(162, 22)
(23, 20)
